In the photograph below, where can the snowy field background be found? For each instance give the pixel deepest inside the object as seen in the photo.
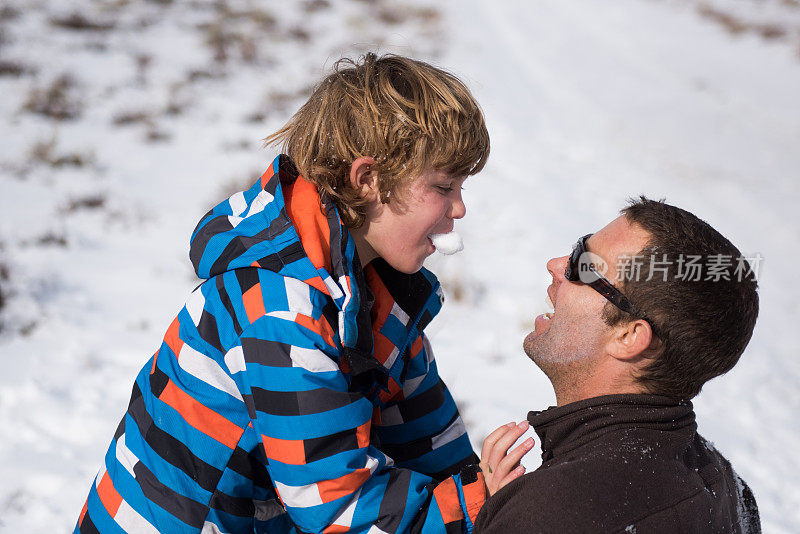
(123, 121)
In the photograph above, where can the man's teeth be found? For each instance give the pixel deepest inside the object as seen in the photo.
(550, 304)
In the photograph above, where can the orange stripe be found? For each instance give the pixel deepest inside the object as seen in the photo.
(474, 497)
(319, 326)
(288, 451)
(336, 529)
(391, 394)
(363, 433)
(303, 206)
(383, 300)
(382, 347)
(317, 283)
(446, 496)
(201, 417)
(416, 347)
(254, 303)
(172, 337)
(155, 358)
(330, 490)
(109, 496)
(83, 512)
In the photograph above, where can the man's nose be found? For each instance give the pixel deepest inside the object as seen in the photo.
(556, 268)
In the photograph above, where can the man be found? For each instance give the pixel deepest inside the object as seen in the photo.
(625, 352)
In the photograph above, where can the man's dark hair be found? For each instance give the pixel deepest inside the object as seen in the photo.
(703, 325)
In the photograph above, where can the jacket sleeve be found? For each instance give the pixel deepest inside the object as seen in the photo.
(421, 428)
(317, 439)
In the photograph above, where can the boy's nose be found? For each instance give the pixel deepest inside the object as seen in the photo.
(457, 208)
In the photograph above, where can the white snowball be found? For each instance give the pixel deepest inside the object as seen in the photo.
(447, 243)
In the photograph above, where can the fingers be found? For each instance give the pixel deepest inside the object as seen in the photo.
(500, 447)
(509, 466)
(492, 438)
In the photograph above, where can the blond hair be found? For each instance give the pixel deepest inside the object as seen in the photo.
(406, 114)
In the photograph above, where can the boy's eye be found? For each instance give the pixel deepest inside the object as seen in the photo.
(445, 188)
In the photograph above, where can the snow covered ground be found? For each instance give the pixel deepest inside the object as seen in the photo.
(105, 171)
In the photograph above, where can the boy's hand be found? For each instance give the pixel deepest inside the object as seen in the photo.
(498, 465)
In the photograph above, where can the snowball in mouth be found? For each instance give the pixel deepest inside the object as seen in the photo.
(447, 243)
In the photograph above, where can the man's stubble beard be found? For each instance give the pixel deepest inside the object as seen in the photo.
(565, 354)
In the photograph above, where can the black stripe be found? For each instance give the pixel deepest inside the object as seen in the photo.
(248, 465)
(410, 291)
(238, 506)
(232, 250)
(301, 402)
(266, 352)
(465, 467)
(331, 314)
(251, 406)
(424, 320)
(423, 403)
(402, 452)
(203, 236)
(207, 328)
(158, 381)
(172, 450)
(394, 499)
(87, 526)
(325, 446)
(187, 510)
(247, 277)
(278, 225)
(120, 428)
(226, 302)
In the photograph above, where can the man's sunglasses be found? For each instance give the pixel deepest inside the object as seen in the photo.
(584, 271)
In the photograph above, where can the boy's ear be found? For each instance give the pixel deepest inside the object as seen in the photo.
(363, 177)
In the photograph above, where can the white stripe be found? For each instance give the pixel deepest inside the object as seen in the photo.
(259, 203)
(234, 359)
(398, 312)
(211, 528)
(345, 519)
(428, 351)
(411, 385)
(454, 431)
(125, 457)
(375, 530)
(238, 203)
(234, 220)
(287, 315)
(334, 289)
(206, 369)
(99, 476)
(299, 496)
(311, 359)
(372, 464)
(392, 357)
(130, 520)
(298, 295)
(195, 304)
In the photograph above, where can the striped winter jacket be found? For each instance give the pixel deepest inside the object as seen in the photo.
(294, 392)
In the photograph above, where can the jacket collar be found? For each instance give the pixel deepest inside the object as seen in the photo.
(565, 428)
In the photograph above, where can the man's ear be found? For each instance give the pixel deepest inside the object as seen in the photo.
(363, 177)
(632, 341)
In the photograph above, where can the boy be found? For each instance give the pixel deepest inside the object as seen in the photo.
(296, 391)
